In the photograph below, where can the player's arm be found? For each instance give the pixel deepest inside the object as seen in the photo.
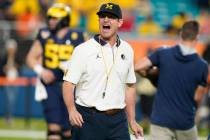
(200, 91)
(34, 61)
(142, 66)
(130, 99)
(68, 95)
(203, 86)
(34, 56)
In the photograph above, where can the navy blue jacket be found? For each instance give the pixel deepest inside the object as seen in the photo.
(179, 77)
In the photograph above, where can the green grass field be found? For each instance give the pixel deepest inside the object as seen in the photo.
(34, 129)
(23, 124)
(22, 129)
(6, 138)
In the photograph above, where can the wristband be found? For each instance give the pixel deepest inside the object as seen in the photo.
(38, 69)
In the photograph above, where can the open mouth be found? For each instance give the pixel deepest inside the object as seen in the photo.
(106, 27)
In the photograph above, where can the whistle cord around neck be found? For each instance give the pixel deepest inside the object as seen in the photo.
(107, 70)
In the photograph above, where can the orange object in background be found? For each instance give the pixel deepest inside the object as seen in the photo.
(141, 47)
(27, 23)
(21, 81)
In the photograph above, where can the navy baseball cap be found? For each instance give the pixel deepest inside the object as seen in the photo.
(110, 8)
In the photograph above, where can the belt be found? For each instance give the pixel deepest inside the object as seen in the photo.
(109, 112)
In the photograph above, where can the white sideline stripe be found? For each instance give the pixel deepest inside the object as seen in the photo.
(39, 134)
(23, 134)
(28, 134)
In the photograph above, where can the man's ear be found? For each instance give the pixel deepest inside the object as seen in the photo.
(120, 22)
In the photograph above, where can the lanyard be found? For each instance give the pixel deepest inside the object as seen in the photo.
(107, 70)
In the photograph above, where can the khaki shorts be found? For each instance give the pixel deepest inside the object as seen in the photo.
(164, 133)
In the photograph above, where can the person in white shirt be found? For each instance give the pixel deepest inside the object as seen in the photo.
(102, 71)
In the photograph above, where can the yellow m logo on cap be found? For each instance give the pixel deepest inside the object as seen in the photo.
(109, 6)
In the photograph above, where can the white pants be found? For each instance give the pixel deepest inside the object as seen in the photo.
(164, 133)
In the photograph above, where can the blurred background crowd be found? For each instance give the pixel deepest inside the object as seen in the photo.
(144, 21)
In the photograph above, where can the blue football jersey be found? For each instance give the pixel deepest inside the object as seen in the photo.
(57, 50)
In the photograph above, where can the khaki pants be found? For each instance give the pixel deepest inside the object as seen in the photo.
(164, 133)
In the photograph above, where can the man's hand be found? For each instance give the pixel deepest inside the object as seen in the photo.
(47, 76)
(75, 118)
(137, 129)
